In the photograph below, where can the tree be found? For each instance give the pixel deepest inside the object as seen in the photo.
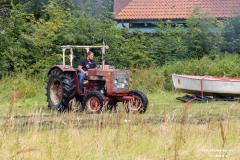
(202, 34)
(13, 43)
(231, 34)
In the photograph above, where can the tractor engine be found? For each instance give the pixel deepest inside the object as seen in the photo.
(110, 81)
(120, 81)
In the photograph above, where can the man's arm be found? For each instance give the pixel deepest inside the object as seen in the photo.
(80, 69)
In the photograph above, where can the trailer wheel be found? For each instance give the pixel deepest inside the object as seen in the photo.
(93, 102)
(60, 89)
(139, 104)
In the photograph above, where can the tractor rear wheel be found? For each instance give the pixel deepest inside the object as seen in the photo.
(139, 104)
(60, 89)
(94, 102)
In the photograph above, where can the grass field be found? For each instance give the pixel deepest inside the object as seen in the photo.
(170, 129)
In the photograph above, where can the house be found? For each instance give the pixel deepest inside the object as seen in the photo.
(142, 14)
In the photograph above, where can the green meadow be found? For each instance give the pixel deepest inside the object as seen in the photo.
(170, 129)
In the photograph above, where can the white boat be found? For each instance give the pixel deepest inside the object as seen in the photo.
(207, 85)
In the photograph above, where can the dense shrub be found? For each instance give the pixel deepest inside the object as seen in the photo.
(231, 34)
(151, 80)
(31, 36)
(156, 79)
(224, 65)
(24, 85)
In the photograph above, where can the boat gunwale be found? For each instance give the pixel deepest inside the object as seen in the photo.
(209, 78)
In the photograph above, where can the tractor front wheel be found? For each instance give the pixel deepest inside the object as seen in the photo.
(139, 104)
(94, 102)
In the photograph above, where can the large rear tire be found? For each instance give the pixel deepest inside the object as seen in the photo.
(139, 104)
(93, 102)
(60, 89)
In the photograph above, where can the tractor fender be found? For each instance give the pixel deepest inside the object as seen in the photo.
(63, 68)
(70, 69)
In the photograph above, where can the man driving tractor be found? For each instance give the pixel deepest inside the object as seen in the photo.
(83, 67)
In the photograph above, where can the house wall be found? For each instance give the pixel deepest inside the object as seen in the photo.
(126, 25)
(147, 29)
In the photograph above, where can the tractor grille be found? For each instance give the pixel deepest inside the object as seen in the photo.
(121, 81)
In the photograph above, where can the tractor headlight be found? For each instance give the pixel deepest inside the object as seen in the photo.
(115, 81)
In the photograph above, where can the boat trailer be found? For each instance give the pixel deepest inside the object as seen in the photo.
(206, 99)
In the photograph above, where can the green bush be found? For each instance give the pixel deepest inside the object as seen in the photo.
(224, 65)
(32, 34)
(231, 34)
(156, 79)
(149, 80)
(25, 86)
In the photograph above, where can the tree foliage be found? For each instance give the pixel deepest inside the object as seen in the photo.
(231, 34)
(31, 33)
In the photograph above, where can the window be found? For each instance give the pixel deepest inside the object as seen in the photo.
(141, 25)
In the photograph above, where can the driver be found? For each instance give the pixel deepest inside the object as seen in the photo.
(83, 67)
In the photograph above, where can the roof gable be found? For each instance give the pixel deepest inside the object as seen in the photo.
(119, 5)
(174, 9)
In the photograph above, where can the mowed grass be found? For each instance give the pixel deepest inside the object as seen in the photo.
(170, 129)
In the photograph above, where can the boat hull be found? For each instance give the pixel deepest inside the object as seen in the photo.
(207, 85)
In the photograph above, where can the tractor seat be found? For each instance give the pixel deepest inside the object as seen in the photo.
(85, 82)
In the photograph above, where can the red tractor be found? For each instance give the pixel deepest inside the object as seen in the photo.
(103, 87)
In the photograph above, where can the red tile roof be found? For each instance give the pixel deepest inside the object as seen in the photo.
(174, 9)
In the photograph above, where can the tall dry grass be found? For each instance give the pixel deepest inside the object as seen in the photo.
(168, 130)
(119, 135)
